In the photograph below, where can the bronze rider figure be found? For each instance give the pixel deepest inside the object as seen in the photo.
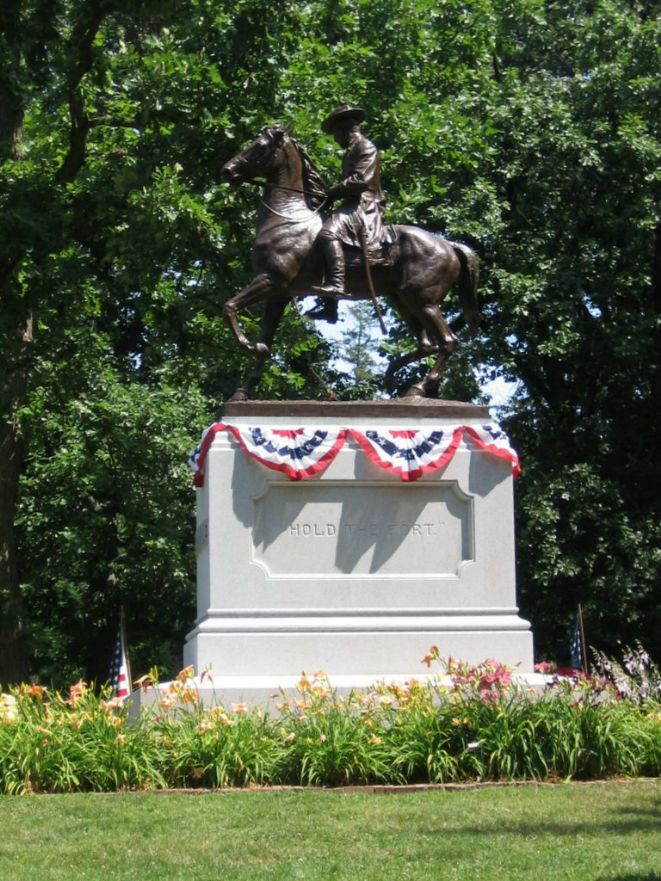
(361, 212)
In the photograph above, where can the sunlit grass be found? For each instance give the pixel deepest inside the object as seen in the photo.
(609, 831)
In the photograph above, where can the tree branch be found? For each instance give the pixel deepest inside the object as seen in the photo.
(111, 122)
(81, 42)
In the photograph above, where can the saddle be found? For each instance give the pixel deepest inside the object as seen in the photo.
(384, 253)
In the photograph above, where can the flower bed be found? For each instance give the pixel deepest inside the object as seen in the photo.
(480, 727)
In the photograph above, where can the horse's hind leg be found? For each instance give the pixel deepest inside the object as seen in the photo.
(434, 321)
(423, 350)
(436, 328)
(273, 311)
(418, 331)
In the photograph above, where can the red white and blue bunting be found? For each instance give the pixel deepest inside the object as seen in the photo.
(304, 452)
(409, 453)
(297, 452)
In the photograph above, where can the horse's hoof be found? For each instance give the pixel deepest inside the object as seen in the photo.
(239, 395)
(415, 391)
(262, 350)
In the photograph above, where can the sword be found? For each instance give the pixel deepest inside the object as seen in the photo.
(370, 283)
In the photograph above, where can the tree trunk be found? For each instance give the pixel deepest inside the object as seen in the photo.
(15, 337)
(13, 659)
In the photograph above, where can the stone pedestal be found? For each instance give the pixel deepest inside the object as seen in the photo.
(353, 571)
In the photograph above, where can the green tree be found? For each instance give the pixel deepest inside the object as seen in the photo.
(114, 243)
(576, 270)
(357, 349)
(525, 131)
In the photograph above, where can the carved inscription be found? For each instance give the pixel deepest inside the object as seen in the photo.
(330, 528)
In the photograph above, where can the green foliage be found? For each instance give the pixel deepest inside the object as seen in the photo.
(55, 744)
(526, 132)
(331, 740)
(472, 724)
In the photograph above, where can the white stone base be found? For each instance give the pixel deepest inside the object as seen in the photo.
(368, 645)
(269, 692)
(353, 572)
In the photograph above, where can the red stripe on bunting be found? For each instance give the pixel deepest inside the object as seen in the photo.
(287, 432)
(207, 440)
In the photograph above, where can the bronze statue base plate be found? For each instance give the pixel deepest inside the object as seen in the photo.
(414, 407)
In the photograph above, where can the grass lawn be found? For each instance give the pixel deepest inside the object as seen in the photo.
(609, 831)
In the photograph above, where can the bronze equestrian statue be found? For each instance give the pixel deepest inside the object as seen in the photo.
(296, 242)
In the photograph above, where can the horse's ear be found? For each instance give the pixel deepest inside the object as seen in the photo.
(278, 133)
(288, 127)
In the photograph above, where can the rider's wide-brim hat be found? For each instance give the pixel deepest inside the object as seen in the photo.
(340, 114)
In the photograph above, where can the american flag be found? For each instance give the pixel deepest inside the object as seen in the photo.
(576, 644)
(575, 650)
(120, 668)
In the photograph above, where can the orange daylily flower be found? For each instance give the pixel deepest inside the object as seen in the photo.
(77, 691)
(186, 673)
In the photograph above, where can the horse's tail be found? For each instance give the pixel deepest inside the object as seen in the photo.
(468, 281)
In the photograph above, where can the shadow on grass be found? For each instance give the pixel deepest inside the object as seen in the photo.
(653, 810)
(645, 822)
(650, 876)
(623, 821)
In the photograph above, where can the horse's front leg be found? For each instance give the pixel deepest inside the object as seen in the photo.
(259, 287)
(272, 314)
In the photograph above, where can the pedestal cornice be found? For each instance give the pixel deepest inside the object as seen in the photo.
(415, 409)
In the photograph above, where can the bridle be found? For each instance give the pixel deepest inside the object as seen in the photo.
(242, 160)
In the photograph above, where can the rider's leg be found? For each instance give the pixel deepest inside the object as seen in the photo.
(333, 255)
(331, 248)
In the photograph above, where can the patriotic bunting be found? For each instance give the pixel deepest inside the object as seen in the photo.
(304, 452)
(492, 439)
(298, 452)
(198, 458)
(409, 453)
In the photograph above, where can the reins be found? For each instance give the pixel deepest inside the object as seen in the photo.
(292, 189)
(285, 216)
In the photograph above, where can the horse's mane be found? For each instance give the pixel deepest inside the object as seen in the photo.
(313, 184)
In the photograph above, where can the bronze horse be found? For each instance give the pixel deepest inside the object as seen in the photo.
(421, 270)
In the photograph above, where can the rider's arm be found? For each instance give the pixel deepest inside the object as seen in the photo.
(362, 161)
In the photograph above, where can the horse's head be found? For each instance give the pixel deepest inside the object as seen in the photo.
(259, 157)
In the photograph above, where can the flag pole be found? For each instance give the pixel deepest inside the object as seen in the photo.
(583, 646)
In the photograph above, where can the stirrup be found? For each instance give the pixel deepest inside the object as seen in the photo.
(329, 290)
(324, 311)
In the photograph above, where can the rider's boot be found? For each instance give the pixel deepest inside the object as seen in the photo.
(331, 248)
(325, 310)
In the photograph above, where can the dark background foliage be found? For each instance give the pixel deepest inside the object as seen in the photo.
(528, 129)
